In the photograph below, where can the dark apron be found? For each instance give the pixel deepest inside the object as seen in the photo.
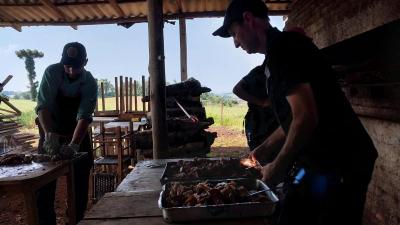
(66, 110)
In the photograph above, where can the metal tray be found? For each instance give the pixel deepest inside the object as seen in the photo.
(224, 211)
(169, 173)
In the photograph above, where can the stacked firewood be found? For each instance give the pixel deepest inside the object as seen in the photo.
(187, 135)
(11, 138)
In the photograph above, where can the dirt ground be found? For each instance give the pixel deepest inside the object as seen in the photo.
(12, 208)
(229, 143)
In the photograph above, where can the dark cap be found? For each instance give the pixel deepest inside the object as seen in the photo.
(235, 11)
(74, 54)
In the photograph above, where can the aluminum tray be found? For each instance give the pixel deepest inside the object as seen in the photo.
(169, 173)
(225, 211)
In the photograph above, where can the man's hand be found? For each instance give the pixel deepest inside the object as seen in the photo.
(68, 151)
(260, 153)
(51, 144)
(273, 173)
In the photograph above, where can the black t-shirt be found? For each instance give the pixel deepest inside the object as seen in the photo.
(339, 142)
(260, 121)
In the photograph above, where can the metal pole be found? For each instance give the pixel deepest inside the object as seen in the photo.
(157, 77)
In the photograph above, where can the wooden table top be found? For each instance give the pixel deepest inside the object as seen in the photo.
(28, 173)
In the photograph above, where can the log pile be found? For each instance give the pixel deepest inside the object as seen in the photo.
(11, 138)
(186, 138)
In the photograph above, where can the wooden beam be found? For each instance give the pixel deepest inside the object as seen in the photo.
(141, 19)
(179, 5)
(157, 77)
(115, 6)
(56, 10)
(183, 48)
(5, 18)
(8, 78)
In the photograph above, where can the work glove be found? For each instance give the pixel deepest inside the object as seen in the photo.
(51, 144)
(68, 151)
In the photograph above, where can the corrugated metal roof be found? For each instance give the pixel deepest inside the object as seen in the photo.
(18, 13)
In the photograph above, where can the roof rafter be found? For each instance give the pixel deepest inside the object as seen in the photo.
(115, 6)
(83, 12)
(57, 11)
(16, 27)
(179, 5)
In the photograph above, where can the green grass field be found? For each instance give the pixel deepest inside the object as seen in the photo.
(26, 107)
(232, 117)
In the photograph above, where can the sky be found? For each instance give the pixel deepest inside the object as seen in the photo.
(114, 50)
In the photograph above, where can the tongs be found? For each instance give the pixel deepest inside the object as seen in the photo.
(258, 192)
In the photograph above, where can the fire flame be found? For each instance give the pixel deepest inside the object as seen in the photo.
(248, 162)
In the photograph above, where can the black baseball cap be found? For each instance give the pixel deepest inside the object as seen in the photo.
(74, 54)
(235, 11)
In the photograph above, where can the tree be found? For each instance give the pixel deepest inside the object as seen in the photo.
(109, 89)
(29, 56)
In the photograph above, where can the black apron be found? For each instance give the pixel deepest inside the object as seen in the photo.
(66, 110)
(65, 118)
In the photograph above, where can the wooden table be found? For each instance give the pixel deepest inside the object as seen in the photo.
(135, 201)
(27, 179)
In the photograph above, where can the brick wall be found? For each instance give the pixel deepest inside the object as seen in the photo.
(331, 21)
(383, 200)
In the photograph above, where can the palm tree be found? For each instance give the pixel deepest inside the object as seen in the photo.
(29, 55)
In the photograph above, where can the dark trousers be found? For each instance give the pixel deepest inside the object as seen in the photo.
(321, 199)
(46, 195)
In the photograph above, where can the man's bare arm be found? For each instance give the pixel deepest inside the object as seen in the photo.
(45, 120)
(270, 146)
(304, 122)
(80, 131)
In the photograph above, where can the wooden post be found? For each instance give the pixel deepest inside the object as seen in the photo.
(157, 77)
(143, 93)
(103, 104)
(130, 94)
(135, 93)
(103, 138)
(120, 153)
(97, 105)
(126, 95)
(121, 94)
(182, 37)
(148, 93)
(116, 94)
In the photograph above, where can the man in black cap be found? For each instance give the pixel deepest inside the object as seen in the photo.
(66, 101)
(322, 136)
(260, 121)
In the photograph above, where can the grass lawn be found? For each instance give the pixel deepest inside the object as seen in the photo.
(232, 117)
(227, 116)
(27, 108)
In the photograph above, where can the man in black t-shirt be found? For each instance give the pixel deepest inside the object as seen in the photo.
(260, 121)
(322, 135)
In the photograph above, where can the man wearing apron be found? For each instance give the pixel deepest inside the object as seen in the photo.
(66, 101)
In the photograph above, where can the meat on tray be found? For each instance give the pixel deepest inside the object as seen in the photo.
(15, 159)
(202, 194)
(205, 168)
